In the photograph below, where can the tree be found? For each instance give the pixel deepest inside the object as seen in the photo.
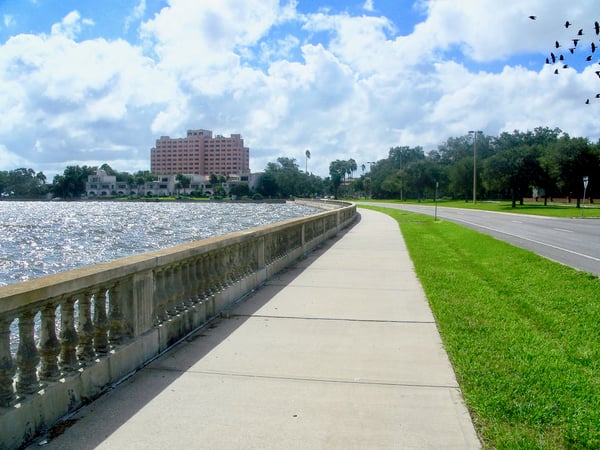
(71, 183)
(574, 158)
(351, 167)
(183, 182)
(239, 190)
(146, 175)
(267, 186)
(516, 164)
(516, 169)
(23, 183)
(108, 170)
(337, 171)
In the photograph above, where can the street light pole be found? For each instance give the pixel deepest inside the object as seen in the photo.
(475, 133)
(585, 185)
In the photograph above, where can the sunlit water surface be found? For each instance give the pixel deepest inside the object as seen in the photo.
(41, 238)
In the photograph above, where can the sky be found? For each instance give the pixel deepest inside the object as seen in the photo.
(84, 82)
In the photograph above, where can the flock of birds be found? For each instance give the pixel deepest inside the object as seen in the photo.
(576, 44)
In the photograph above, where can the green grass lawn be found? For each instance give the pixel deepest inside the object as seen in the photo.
(522, 332)
(533, 208)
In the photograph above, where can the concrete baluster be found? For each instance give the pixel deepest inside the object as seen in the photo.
(49, 344)
(246, 256)
(160, 297)
(238, 269)
(189, 277)
(181, 287)
(224, 267)
(171, 280)
(7, 366)
(278, 237)
(100, 322)
(217, 273)
(115, 315)
(253, 250)
(228, 265)
(27, 356)
(69, 339)
(267, 249)
(211, 275)
(204, 276)
(244, 260)
(193, 268)
(85, 351)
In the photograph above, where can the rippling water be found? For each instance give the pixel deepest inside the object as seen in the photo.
(41, 238)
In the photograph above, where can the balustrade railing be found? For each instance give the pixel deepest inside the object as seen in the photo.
(55, 330)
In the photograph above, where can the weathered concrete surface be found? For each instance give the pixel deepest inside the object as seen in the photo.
(340, 351)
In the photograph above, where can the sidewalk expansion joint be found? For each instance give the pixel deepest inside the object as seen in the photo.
(343, 288)
(359, 381)
(334, 319)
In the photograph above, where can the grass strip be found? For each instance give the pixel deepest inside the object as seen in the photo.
(522, 333)
(530, 208)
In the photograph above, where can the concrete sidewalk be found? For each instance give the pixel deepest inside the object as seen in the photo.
(338, 352)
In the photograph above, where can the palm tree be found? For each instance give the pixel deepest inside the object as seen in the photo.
(351, 167)
(140, 182)
(307, 158)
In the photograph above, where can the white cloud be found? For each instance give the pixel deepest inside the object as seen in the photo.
(71, 25)
(344, 86)
(368, 6)
(136, 14)
(8, 20)
(10, 160)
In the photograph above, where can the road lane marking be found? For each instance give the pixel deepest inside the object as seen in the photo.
(593, 258)
(563, 230)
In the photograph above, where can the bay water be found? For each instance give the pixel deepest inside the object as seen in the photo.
(42, 238)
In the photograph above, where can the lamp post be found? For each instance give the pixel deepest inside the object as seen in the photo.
(368, 179)
(475, 133)
(307, 154)
(437, 185)
(585, 185)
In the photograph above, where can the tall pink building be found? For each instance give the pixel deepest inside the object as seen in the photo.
(200, 154)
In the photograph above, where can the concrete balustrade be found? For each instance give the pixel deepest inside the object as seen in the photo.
(82, 331)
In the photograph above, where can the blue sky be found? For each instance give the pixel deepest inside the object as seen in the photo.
(89, 82)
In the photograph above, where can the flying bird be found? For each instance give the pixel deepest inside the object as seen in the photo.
(565, 58)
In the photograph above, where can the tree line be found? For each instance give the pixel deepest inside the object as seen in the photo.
(544, 162)
(27, 184)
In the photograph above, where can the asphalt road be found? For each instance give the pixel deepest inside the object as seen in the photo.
(573, 242)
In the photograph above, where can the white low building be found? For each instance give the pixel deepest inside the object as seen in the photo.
(103, 185)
